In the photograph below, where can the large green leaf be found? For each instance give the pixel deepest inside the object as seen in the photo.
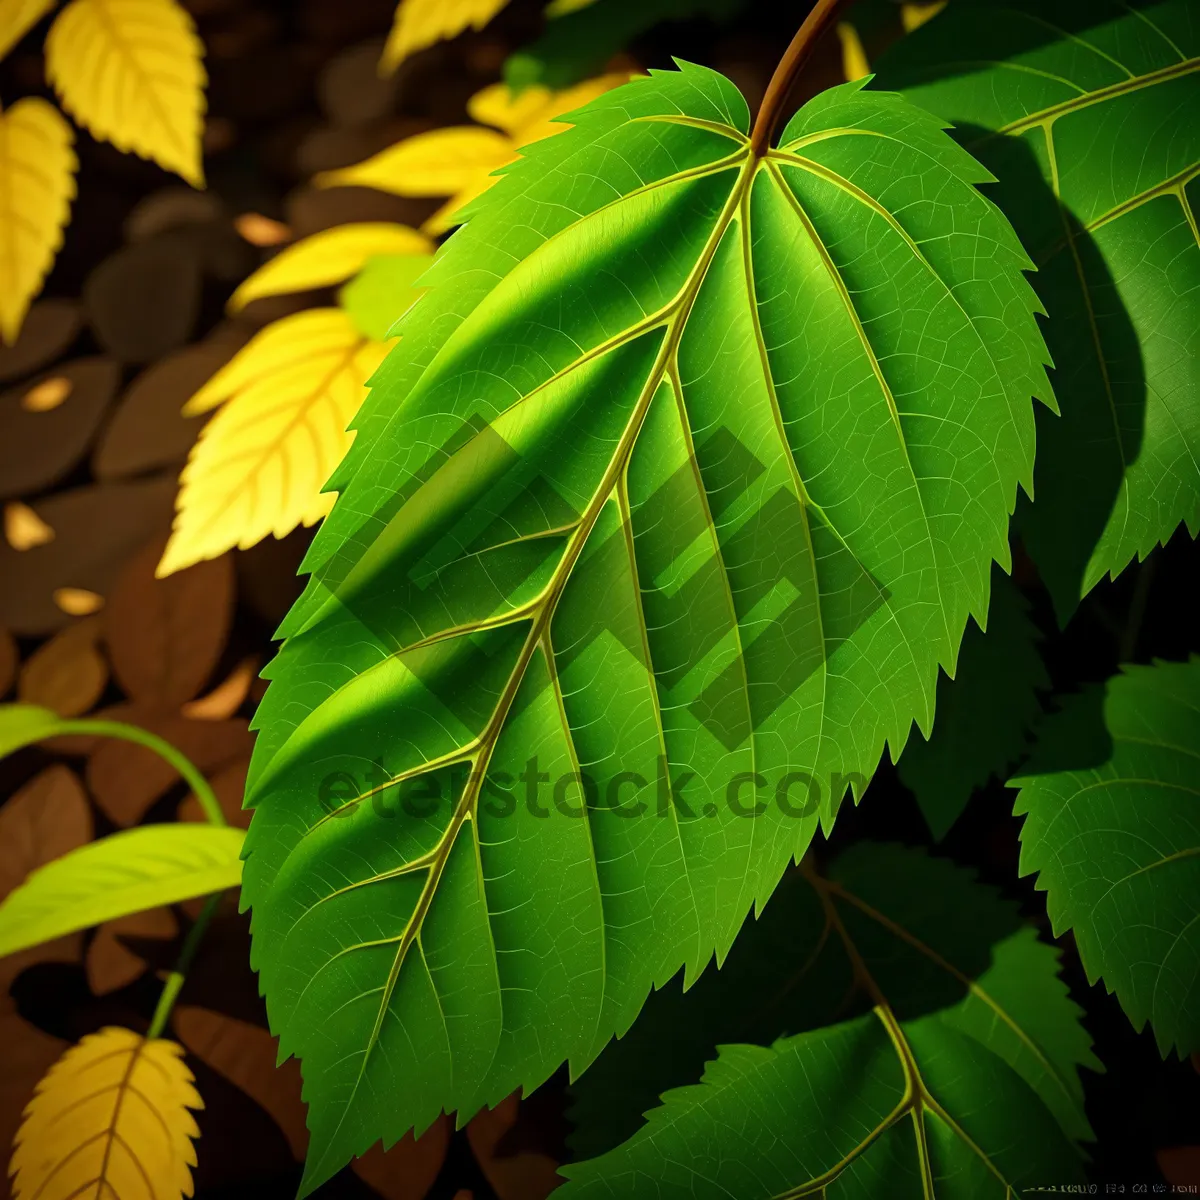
(983, 713)
(681, 482)
(1086, 111)
(580, 42)
(929, 938)
(123, 873)
(962, 1003)
(1111, 801)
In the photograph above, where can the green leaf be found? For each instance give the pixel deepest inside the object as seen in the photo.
(117, 875)
(680, 485)
(931, 939)
(382, 292)
(983, 714)
(1112, 830)
(579, 43)
(961, 1001)
(1087, 114)
(23, 724)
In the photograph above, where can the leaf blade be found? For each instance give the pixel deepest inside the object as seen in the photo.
(38, 164)
(123, 873)
(643, 292)
(157, 114)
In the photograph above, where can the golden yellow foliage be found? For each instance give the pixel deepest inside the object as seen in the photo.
(420, 23)
(327, 258)
(130, 71)
(854, 57)
(17, 17)
(260, 463)
(110, 1121)
(459, 161)
(37, 185)
(913, 16)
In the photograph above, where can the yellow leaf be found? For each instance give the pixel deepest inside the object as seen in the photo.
(17, 18)
(854, 57)
(110, 1121)
(260, 463)
(130, 72)
(913, 16)
(437, 163)
(261, 231)
(496, 105)
(420, 23)
(328, 257)
(37, 185)
(459, 162)
(547, 122)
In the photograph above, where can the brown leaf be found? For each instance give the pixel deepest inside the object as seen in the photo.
(96, 529)
(229, 784)
(1180, 1165)
(408, 1170)
(170, 208)
(245, 1054)
(148, 429)
(46, 818)
(67, 674)
(111, 961)
(8, 661)
(268, 582)
(520, 1175)
(41, 441)
(144, 300)
(125, 779)
(166, 635)
(49, 331)
(310, 210)
(350, 88)
(227, 697)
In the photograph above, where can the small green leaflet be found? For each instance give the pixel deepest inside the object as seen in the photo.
(679, 487)
(1112, 829)
(960, 1001)
(983, 714)
(380, 294)
(123, 873)
(1099, 170)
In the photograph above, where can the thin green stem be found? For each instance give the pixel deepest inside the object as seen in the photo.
(164, 749)
(174, 983)
(212, 810)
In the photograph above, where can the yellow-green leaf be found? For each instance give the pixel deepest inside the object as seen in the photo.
(260, 463)
(126, 872)
(130, 72)
(17, 18)
(328, 257)
(420, 23)
(37, 185)
(110, 1120)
